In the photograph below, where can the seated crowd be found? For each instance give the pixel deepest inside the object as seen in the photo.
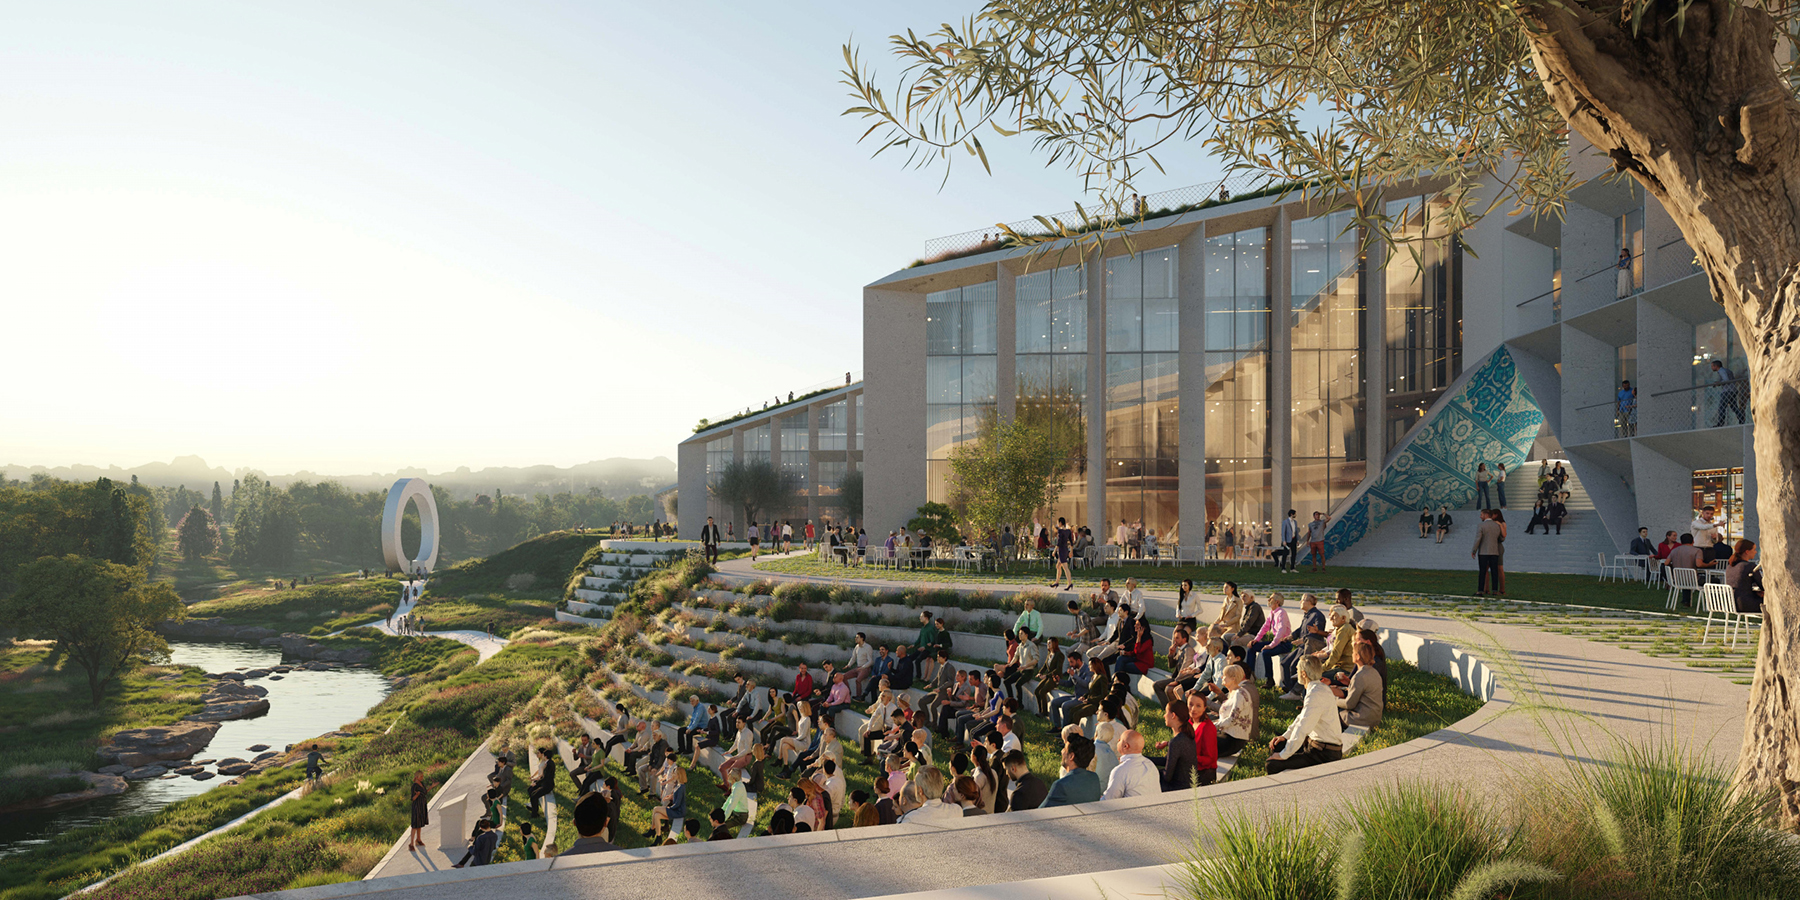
(957, 751)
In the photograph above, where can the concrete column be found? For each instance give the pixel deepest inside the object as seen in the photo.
(1750, 519)
(1006, 318)
(1664, 490)
(1096, 367)
(1281, 363)
(894, 391)
(1662, 338)
(1588, 254)
(1191, 345)
(1375, 356)
(736, 514)
(690, 474)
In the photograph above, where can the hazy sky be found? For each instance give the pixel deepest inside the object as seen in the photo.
(352, 237)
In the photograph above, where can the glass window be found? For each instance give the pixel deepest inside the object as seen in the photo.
(1143, 429)
(832, 422)
(1238, 491)
(1051, 366)
(1423, 342)
(1327, 316)
(960, 378)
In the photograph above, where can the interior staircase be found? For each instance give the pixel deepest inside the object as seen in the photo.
(1397, 545)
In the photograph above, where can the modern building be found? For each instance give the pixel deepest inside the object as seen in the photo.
(1243, 358)
(814, 441)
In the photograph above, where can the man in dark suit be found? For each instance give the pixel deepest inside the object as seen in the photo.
(1025, 790)
(1049, 675)
(709, 540)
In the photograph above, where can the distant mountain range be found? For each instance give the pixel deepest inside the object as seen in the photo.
(617, 477)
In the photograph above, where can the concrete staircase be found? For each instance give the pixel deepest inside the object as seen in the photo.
(1396, 544)
(607, 582)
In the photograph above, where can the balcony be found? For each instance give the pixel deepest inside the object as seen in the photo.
(1651, 269)
(1725, 403)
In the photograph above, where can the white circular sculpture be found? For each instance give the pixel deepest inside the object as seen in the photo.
(404, 491)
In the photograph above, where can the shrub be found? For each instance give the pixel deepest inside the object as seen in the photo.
(1283, 859)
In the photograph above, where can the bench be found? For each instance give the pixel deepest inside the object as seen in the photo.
(1353, 735)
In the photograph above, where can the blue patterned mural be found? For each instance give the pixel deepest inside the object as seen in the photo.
(1491, 418)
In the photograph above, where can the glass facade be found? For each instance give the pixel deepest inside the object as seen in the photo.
(1328, 420)
(1051, 341)
(718, 455)
(1238, 489)
(961, 347)
(1143, 408)
(1423, 340)
(833, 422)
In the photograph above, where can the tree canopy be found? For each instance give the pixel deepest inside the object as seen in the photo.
(752, 485)
(1012, 470)
(102, 615)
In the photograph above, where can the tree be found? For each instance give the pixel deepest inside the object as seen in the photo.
(851, 490)
(1695, 99)
(218, 504)
(752, 484)
(936, 520)
(196, 536)
(1008, 473)
(102, 615)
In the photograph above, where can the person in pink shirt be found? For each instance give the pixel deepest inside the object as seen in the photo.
(1275, 638)
(837, 699)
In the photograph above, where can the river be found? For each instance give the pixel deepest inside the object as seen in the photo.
(301, 705)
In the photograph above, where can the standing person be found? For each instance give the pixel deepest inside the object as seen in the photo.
(810, 534)
(1500, 567)
(1727, 395)
(1064, 541)
(420, 818)
(1500, 484)
(1315, 540)
(1482, 498)
(709, 541)
(1627, 411)
(755, 541)
(1624, 266)
(1290, 543)
(1486, 553)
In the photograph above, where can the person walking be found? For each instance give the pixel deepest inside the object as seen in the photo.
(1725, 396)
(1486, 553)
(1064, 541)
(420, 818)
(1482, 498)
(1290, 542)
(709, 541)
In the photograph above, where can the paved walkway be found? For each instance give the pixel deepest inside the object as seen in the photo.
(1609, 691)
(469, 781)
(485, 644)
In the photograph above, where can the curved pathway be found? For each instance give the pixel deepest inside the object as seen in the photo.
(485, 644)
(1608, 693)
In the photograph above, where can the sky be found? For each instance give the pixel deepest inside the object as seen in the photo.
(356, 237)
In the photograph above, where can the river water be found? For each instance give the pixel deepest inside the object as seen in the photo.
(302, 705)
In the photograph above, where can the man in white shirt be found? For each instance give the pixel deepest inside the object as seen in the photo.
(1122, 536)
(1009, 739)
(930, 784)
(862, 661)
(1316, 736)
(1136, 776)
(831, 778)
(1706, 533)
(1134, 596)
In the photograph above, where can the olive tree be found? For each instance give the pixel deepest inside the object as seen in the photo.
(1696, 100)
(102, 615)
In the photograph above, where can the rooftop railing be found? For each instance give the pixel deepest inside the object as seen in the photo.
(1147, 206)
(794, 397)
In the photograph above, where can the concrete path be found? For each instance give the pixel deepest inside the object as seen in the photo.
(1517, 742)
(485, 644)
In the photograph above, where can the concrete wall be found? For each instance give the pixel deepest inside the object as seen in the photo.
(690, 474)
(1191, 270)
(894, 401)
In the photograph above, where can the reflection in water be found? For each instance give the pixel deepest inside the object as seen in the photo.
(302, 705)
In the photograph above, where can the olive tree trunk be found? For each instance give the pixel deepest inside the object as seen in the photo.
(1692, 104)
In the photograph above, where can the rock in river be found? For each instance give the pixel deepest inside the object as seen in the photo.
(143, 746)
(144, 773)
(203, 776)
(231, 700)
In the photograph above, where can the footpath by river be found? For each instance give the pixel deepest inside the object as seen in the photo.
(302, 704)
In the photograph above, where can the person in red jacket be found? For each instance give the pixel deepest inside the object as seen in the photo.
(1206, 740)
(803, 685)
(1139, 655)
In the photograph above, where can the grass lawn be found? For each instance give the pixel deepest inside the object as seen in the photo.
(330, 604)
(47, 724)
(1576, 589)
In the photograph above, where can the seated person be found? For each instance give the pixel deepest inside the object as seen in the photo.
(1079, 783)
(1237, 716)
(590, 821)
(1361, 703)
(1315, 736)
